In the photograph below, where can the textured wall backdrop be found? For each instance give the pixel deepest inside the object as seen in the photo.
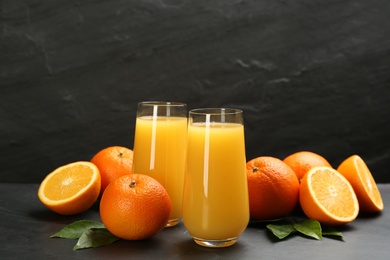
(309, 75)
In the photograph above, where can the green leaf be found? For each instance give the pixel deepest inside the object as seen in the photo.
(311, 228)
(308, 227)
(281, 231)
(95, 237)
(76, 229)
(330, 231)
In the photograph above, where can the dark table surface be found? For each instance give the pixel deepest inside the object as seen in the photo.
(26, 225)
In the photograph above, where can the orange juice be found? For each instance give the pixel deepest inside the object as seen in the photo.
(159, 151)
(215, 196)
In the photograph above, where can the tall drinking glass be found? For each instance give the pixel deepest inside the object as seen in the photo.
(160, 148)
(215, 200)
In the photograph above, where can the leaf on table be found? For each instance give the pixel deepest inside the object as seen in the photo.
(311, 228)
(281, 231)
(330, 231)
(76, 229)
(95, 237)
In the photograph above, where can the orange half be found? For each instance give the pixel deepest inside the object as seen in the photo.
(362, 181)
(327, 196)
(71, 189)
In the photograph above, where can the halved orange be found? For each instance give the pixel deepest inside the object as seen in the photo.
(327, 196)
(71, 189)
(362, 181)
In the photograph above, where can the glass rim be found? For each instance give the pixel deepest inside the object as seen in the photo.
(162, 103)
(215, 111)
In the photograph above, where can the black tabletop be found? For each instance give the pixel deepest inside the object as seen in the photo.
(26, 226)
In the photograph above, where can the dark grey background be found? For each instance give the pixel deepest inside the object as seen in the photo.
(309, 75)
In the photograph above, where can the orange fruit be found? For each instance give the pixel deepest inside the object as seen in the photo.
(71, 189)
(273, 188)
(113, 162)
(327, 196)
(301, 162)
(135, 207)
(362, 181)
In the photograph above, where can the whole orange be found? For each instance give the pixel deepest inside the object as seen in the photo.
(113, 162)
(135, 207)
(273, 188)
(303, 161)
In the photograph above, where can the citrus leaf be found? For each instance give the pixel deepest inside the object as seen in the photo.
(95, 237)
(330, 231)
(281, 231)
(311, 228)
(76, 229)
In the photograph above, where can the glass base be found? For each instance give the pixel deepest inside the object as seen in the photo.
(172, 222)
(215, 243)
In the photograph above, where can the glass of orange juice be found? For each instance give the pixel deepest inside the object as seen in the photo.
(160, 148)
(215, 197)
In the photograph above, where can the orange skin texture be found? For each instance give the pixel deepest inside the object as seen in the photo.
(301, 162)
(135, 207)
(113, 162)
(273, 188)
